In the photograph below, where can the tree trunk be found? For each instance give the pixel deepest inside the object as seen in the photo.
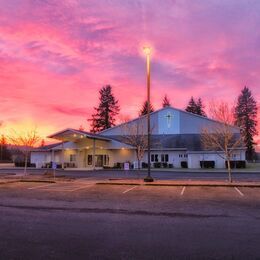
(25, 165)
(229, 170)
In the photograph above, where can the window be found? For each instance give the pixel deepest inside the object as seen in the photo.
(72, 157)
(89, 159)
(164, 157)
(106, 159)
(154, 157)
(180, 155)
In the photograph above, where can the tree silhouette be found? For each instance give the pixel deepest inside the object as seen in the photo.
(108, 108)
(246, 118)
(144, 109)
(166, 102)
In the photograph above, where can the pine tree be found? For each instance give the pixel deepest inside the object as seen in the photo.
(192, 106)
(245, 115)
(144, 109)
(200, 108)
(42, 142)
(81, 128)
(166, 102)
(196, 107)
(108, 108)
(4, 152)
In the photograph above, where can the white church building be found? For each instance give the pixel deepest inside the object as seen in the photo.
(175, 143)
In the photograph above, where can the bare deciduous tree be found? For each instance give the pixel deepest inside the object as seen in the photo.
(135, 134)
(222, 137)
(25, 141)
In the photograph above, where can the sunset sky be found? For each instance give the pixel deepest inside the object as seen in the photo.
(56, 54)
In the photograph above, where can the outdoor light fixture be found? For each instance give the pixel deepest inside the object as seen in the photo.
(147, 50)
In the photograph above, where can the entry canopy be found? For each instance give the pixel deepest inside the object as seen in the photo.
(71, 135)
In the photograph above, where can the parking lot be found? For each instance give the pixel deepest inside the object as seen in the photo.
(79, 219)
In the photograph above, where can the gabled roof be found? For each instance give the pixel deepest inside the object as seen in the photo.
(76, 134)
(161, 109)
(46, 147)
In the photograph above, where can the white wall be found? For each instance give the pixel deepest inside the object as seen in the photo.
(40, 158)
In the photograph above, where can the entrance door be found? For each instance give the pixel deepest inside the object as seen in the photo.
(99, 160)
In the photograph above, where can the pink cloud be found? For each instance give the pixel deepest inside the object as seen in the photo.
(55, 55)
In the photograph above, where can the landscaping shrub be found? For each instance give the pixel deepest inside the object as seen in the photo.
(118, 165)
(237, 164)
(207, 164)
(157, 165)
(22, 164)
(170, 165)
(144, 165)
(184, 164)
(165, 165)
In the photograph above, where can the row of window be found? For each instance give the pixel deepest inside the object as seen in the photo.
(165, 157)
(155, 157)
(102, 159)
(183, 155)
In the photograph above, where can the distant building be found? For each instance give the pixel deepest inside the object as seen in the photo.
(175, 142)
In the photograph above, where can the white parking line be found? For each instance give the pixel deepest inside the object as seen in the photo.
(240, 193)
(182, 191)
(130, 189)
(38, 187)
(83, 187)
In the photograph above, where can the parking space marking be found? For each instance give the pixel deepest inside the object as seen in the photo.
(39, 187)
(83, 187)
(239, 192)
(182, 191)
(130, 189)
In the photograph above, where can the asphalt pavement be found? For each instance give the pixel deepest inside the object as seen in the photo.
(80, 220)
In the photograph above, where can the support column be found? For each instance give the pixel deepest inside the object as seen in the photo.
(94, 154)
(52, 155)
(62, 155)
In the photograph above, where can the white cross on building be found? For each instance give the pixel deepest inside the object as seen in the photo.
(169, 118)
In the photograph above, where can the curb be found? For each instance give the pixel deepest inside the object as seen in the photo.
(184, 184)
(43, 181)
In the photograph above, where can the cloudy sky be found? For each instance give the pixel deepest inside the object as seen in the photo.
(55, 55)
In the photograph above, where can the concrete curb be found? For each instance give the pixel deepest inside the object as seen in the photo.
(7, 182)
(43, 181)
(234, 184)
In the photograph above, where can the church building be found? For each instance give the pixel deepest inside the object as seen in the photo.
(175, 143)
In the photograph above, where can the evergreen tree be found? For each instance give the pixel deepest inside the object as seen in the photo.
(108, 108)
(81, 128)
(4, 152)
(196, 107)
(144, 109)
(245, 115)
(200, 108)
(192, 106)
(166, 102)
(42, 142)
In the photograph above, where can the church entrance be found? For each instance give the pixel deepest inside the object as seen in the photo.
(99, 160)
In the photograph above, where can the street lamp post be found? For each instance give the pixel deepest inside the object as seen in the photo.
(147, 51)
